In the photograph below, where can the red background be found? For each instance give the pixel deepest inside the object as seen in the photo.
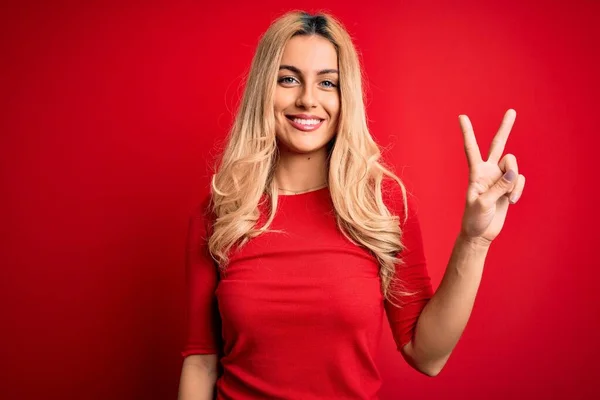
(111, 111)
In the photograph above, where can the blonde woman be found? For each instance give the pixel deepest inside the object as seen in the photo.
(307, 239)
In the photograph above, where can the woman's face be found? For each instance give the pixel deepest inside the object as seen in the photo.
(307, 98)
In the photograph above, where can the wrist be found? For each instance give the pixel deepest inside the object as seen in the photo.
(474, 241)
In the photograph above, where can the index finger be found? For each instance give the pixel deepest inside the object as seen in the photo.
(471, 147)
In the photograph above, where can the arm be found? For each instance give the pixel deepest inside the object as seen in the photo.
(445, 316)
(198, 377)
(199, 369)
(491, 183)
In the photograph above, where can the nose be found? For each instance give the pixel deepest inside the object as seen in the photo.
(306, 98)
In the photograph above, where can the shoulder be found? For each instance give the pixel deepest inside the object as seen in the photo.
(201, 216)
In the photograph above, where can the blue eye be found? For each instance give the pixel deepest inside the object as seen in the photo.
(283, 80)
(331, 84)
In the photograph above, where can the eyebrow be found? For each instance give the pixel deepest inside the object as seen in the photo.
(297, 71)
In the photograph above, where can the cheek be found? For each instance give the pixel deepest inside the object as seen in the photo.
(333, 107)
(283, 99)
(277, 105)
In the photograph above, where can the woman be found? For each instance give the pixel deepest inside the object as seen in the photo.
(307, 239)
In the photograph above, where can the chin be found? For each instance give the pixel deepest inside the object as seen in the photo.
(300, 146)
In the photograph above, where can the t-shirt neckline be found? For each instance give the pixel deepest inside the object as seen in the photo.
(304, 193)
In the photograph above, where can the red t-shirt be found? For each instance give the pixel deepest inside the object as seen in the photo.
(298, 315)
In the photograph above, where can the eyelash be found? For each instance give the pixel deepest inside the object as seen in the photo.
(281, 80)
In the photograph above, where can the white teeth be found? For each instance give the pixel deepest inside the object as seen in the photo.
(307, 121)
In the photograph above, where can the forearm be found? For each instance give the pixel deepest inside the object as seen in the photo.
(445, 316)
(198, 377)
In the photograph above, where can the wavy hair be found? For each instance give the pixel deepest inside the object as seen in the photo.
(355, 173)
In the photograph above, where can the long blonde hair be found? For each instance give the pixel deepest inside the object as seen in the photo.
(355, 171)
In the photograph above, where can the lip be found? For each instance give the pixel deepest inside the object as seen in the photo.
(304, 128)
(304, 116)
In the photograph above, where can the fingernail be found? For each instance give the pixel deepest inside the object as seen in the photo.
(510, 175)
(514, 198)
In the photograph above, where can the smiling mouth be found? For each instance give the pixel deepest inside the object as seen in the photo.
(305, 125)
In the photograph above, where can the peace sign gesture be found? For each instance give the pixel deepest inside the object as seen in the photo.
(491, 182)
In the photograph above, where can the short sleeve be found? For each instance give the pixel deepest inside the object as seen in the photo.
(412, 274)
(201, 275)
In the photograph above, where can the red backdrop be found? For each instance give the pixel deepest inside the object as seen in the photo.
(111, 111)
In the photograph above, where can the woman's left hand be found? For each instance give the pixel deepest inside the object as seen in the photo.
(491, 183)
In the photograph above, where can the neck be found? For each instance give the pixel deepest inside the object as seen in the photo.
(297, 172)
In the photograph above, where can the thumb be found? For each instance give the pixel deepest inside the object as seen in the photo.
(500, 188)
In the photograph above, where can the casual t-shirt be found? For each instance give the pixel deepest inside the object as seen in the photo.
(298, 315)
